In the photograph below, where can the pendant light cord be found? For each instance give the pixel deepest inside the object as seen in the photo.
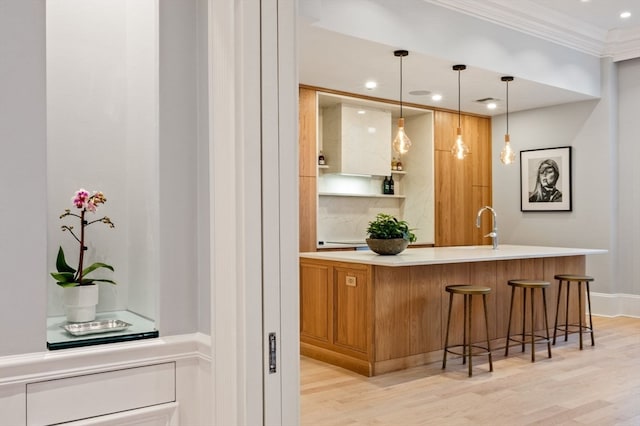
(459, 118)
(401, 116)
(507, 106)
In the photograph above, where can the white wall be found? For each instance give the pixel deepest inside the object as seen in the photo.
(102, 124)
(628, 179)
(23, 187)
(590, 129)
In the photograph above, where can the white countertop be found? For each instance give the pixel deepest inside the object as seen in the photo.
(440, 255)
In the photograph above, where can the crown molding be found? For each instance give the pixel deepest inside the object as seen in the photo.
(550, 25)
(623, 44)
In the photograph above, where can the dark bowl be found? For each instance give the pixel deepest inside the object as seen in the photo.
(387, 247)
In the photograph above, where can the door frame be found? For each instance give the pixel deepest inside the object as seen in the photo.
(253, 161)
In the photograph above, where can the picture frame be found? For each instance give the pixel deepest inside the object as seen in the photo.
(545, 180)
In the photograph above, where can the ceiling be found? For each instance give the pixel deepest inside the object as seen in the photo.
(603, 14)
(326, 58)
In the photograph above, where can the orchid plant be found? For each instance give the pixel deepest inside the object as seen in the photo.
(67, 276)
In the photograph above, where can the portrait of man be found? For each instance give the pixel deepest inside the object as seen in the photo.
(547, 177)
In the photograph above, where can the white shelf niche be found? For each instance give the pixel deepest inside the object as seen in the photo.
(340, 194)
(345, 185)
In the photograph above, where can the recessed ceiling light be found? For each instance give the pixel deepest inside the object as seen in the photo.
(361, 111)
(436, 97)
(492, 105)
(371, 85)
(625, 15)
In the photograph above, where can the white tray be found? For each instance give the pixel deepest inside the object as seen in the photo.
(93, 327)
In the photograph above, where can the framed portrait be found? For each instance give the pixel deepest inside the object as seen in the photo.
(545, 180)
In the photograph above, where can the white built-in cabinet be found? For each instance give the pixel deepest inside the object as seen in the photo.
(356, 139)
(90, 396)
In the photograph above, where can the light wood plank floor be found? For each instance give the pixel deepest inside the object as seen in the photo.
(597, 386)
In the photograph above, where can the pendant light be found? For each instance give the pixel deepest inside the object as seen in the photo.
(507, 155)
(401, 143)
(459, 148)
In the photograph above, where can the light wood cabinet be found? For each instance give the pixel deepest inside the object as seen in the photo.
(335, 314)
(307, 132)
(307, 168)
(460, 187)
(351, 308)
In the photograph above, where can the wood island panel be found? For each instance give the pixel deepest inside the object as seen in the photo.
(395, 317)
(315, 306)
(351, 309)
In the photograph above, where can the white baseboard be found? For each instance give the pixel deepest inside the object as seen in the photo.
(614, 305)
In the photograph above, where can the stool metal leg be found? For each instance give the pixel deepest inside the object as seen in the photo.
(486, 324)
(546, 320)
(470, 305)
(524, 316)
(446, 336)
(580, 312)
(555, 323)
(590, 320)
(533, 323)
(465, 318)
(506, 349)
(566, 314)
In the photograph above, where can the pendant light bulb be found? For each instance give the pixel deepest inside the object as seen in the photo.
(459, 149)
(507, 155)
(401, 143)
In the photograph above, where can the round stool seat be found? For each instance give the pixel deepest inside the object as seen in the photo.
(467, 289)
(573, 277)
(529, 283)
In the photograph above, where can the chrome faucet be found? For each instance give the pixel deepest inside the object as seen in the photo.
(494, 233)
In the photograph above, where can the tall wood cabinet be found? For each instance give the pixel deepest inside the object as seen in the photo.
(307, 168)
(461, 186)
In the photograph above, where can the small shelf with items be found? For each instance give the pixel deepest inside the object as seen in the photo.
(323, 166)
(341, 194)
(137, 328)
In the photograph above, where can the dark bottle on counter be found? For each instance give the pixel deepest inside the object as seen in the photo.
(391, 186)
(321, 160)
(385, 186)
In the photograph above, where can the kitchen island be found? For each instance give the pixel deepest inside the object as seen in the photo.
(373, 314)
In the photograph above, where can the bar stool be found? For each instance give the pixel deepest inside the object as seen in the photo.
(468, 291)
(530, 337)
(568, 279)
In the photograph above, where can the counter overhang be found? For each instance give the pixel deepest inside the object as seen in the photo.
(456, 254)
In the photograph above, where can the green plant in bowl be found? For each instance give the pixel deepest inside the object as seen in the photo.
(388, 235)
(386, 227)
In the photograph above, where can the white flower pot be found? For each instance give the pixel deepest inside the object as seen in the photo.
(80, 303)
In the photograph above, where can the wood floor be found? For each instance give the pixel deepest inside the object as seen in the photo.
(599, 385)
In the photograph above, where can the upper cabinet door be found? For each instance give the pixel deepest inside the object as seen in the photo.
(357, 140)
